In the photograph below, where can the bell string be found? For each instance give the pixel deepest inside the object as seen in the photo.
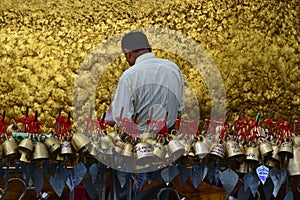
(3, 125)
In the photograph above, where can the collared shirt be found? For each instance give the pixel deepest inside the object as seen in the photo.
(151, 85)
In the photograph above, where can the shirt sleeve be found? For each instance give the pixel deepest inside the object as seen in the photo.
(181, 100)
(122, 99)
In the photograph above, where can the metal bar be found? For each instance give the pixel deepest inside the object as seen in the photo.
(113, 190)
(129, 188)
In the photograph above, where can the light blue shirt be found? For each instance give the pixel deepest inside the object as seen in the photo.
(150, 84)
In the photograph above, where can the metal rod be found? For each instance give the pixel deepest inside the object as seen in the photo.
(114, 193)
(129, 188)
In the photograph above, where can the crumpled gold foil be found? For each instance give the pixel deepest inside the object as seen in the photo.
(253, 44)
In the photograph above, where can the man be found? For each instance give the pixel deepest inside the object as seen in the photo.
(150, 88)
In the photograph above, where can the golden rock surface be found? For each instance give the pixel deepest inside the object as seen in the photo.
(255, 46)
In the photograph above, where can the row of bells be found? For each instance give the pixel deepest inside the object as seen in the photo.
(29, 149)
(60, 149)
(149, 150)
(245, 157)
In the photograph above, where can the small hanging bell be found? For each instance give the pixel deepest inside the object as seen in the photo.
(26, 145)
(52, 144)
(10, 147)
(243, 168)
(128, 150)
(175, 148)
(286, 149)
(294, 163)
(66, 147)
(25, 157)
(217, 151)
(233, 151)
(252, 156)
(285, 152)
(79, 141)
(265, 148)
(159, 149)
(200, 147)
(274, 160)
(144, 153)
(40, 151)
(94, 148)
(58, 157)
(296, 140)
(107, 144)
(252, 152)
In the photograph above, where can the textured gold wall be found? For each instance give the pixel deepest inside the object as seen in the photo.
(255, 45)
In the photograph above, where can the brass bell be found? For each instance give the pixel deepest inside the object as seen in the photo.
(79, 141)
(59, 157)
(296, 140)
(233, 150)
(272, 163)
(218, 150)
(175, 148)
(243, 168)
(10, 147)
(187, 147)
(265, 148)
(25, 157)
(144, 153)
(294, 163)
(94, 148)
(159, 150)
(2, 193)
(275, 155)
(200, 148)
(26, 145)
(286, 149)
(52, 144)
(145, 136)
(107, 143)
(252, 153)
(128, 150)
(118, 143)
(274, 159)
(66, 148)
(40, 151)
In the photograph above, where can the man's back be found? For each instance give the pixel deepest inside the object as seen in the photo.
(152, 84)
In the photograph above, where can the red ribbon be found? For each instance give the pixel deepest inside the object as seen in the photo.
(241, 126)
(189, 127)
(3, 125)
(94, 126)
(177, 123)
(254, 128)
(32, 125)
(62, 126)
(224, 131)
(269, 124)
(130, 127)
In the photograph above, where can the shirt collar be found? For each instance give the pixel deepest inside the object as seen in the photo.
(143, 57)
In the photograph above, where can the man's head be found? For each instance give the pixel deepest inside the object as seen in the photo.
(133, 45)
